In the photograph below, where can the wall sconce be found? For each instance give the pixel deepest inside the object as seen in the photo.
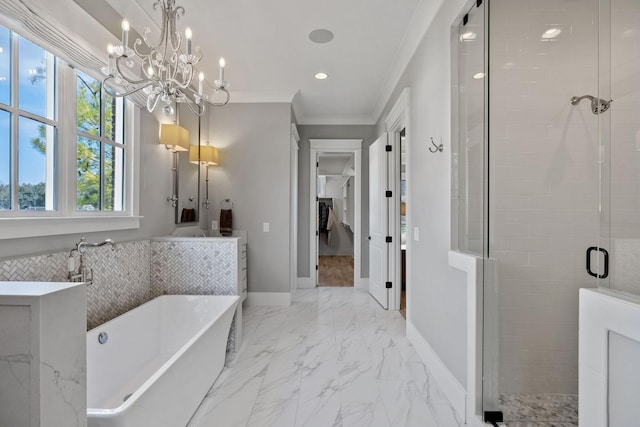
(175, 138)
(206, 155)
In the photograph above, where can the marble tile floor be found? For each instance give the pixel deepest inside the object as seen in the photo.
(334, 358)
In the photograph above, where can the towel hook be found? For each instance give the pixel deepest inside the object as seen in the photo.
(436, 148)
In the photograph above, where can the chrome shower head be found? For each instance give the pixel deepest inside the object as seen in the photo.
(598, 106)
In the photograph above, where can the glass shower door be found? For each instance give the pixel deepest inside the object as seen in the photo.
(546, 198)
(619, 134)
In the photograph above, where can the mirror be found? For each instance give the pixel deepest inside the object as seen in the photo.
(188, 174)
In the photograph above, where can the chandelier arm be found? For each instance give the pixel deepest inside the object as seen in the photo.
(111, 91)
(152, 101)
(185, 84)
(190, 102)
(145, 82)
(226, 101)
(201, 110)
(139, 43)
(174, 68)
(165, 24)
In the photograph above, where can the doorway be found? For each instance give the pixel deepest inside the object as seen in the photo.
(335, 189)
(403, 222)
(397, 123)
(335, 199)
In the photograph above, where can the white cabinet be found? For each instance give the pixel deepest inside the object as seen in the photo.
(242, 270)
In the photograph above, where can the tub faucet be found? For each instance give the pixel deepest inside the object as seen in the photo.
(82, 245)
(84, 274)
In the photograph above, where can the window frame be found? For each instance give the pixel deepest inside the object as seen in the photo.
(104, 142)
(66, 219)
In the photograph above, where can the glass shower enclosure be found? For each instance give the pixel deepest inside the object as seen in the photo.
(547, 174)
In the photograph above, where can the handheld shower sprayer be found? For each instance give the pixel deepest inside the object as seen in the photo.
(598, 106)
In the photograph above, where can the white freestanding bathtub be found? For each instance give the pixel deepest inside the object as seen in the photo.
(158, 361)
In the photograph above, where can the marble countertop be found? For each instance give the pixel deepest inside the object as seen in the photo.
(34, 289)
(187, 239)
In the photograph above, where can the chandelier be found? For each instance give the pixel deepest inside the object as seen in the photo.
(166, 70)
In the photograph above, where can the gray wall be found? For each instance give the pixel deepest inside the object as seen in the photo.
(254, 172)
(367, 134)
(438, 292)
(155, 186)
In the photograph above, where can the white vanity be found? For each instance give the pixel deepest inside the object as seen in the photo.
(43, 354)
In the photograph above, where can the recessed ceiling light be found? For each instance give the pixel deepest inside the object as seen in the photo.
(321, 76)
(479, 76)
(321, 36)
(551, 33)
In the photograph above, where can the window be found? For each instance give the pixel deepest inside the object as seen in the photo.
(100, 147)
(28, 125)
(65, 163)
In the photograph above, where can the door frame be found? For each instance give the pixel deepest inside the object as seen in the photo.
(396, 120)
(336, 146)
(293, 237)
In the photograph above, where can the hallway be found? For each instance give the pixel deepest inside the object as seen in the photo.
(335, 271)
(333, 358)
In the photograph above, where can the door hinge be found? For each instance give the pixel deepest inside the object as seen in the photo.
(388, 239)
(317, 199)
(316, 267)
(317, 164)
(387, 148)
(388, 193)
(388, 285)
(317, 233)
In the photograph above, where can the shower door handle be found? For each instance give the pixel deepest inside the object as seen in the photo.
(606, 262)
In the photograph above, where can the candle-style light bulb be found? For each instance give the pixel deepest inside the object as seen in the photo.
(110, 52)
(125, 33)
(222, 64)
(188, 34)
(200, 83)
(150, 71)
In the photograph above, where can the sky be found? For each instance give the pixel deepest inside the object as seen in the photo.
(32, 98)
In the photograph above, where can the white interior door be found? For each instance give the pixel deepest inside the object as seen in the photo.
(379, 221)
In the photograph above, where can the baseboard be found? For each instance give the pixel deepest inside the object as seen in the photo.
(306, 283)
(269, 298)
(447, 382)
(362, 283)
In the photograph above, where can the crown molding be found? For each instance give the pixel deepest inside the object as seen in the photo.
(262, 97)
(416, 30)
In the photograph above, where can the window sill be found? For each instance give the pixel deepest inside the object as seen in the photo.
(15, 228)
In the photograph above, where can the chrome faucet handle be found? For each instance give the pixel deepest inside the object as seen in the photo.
(81, 246)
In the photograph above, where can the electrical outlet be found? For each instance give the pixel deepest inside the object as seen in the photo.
(214, 225)
(416, 234)
(265, 227)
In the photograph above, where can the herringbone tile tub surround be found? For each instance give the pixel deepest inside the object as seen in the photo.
(129, 275)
